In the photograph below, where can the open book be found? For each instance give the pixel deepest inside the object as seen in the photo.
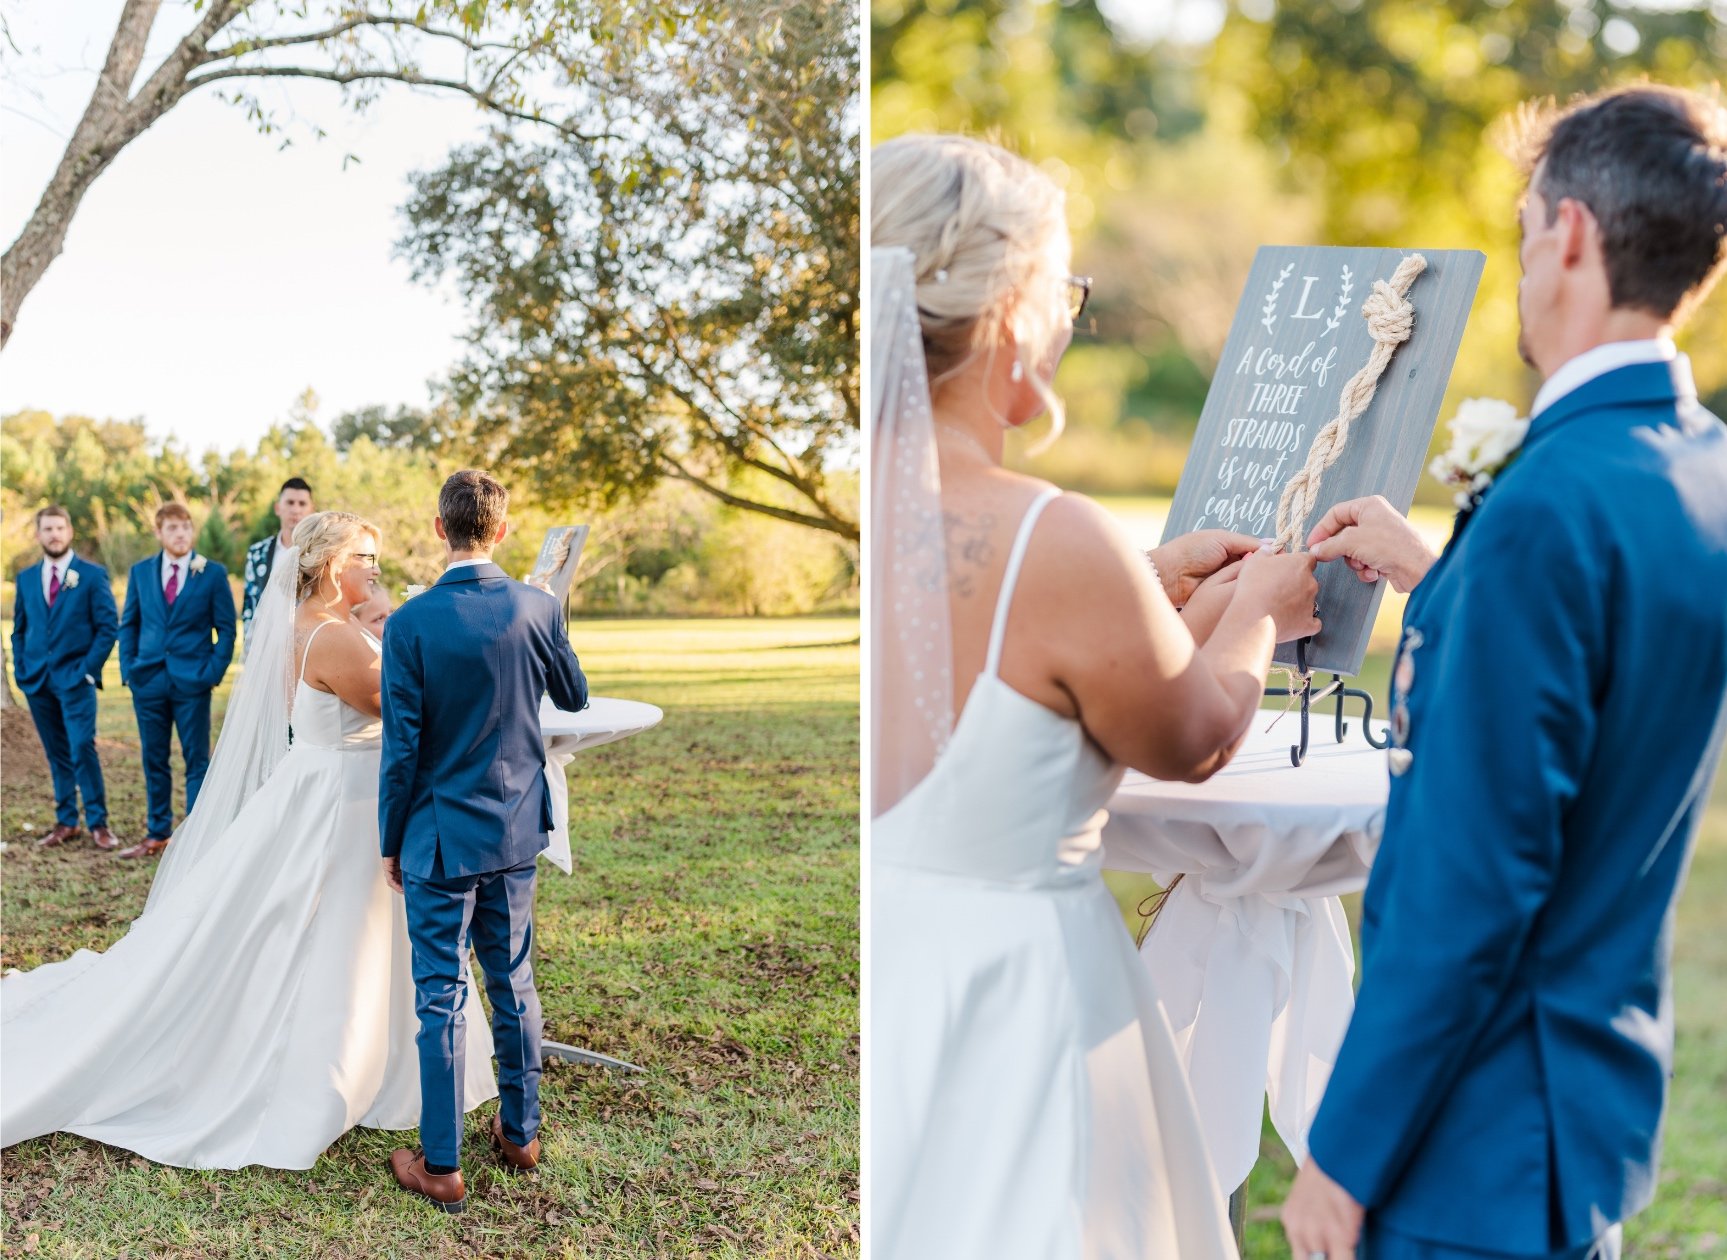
(555, 570)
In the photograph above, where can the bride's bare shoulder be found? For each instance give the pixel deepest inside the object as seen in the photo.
(1076, 529)
(327, 641)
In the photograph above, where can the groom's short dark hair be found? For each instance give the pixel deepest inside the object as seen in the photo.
(295, 483)
(472, 506)
(1650, 162)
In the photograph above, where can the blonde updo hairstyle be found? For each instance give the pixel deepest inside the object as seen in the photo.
(326, 541)
(985, 227)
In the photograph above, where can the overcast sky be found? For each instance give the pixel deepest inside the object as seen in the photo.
(209, 277)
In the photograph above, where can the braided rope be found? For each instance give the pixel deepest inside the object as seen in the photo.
(1390, 318)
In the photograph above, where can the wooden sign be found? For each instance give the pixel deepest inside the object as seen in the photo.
(1298, 336)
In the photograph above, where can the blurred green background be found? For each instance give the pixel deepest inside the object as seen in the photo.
(1189, 132)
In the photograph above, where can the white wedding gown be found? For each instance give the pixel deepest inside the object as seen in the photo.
(1027, 1099)
(263, 1007)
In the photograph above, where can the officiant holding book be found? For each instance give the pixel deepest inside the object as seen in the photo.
(176, 642)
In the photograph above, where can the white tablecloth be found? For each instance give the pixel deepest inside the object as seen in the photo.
(604, 721)
(1252, 954)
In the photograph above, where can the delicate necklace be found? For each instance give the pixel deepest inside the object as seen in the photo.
(969, 439)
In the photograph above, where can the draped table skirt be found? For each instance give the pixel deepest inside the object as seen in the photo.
(1252, 954)
(604, 721)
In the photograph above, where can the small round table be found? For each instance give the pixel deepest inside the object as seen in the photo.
(1251, 953)
(604, 721)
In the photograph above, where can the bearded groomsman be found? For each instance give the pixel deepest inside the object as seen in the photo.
(63, 626)
(176, 642)
(293, 505)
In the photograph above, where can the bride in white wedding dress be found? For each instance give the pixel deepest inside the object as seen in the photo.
(263, 1003)
(1026, 1097)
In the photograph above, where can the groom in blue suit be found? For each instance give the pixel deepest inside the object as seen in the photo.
(63, 626)
(1557, 711)
(176, 642)
(463, 812)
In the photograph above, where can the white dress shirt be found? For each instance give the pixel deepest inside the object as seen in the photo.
(169, 564)
(466, 564)
(1607, 357)
(51, 567)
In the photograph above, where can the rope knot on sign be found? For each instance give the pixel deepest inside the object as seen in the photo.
(1390, 319)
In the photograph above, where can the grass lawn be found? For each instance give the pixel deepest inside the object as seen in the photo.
(1689, 1215)
(709, 933)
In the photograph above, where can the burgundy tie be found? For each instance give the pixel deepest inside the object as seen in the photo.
(173, 587)
(53, 585)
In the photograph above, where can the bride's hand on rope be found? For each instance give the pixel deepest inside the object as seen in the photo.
(1210, 599)
(1185, 562)
(1281, 585)
(1375, 540)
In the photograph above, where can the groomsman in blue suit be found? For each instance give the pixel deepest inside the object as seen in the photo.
(1557, 715)
(463, 812)
(63, 625)
(176, 641)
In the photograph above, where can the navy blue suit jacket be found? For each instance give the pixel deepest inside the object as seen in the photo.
(463, 787)
(191, 643)
(55, 649)
(1502, 1083)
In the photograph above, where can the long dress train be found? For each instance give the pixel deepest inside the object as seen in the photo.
(262, 1007)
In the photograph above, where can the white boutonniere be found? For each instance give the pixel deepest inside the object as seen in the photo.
(1486, 434)
(71, 578)
(414, 588)
(197, 565)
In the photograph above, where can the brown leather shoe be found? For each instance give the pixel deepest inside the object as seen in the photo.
(57, 837)
(447, 1192)
(104, 838)
(149, 846)
(515, 1158)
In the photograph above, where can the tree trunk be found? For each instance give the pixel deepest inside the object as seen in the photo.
(116, 116)
(111, 121)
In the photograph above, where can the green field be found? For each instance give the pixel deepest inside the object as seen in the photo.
(1689, 1215)
(709, 933)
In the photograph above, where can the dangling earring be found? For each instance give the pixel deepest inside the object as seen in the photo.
(1018, 373)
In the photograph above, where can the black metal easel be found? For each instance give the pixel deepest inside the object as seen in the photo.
(1309, 697)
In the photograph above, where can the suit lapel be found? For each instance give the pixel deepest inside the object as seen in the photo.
(153, 586)
(31, 587)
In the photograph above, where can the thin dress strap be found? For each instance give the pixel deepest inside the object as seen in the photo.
(998, 628)
(307, 654)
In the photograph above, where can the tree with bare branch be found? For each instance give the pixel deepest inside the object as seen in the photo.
(517, 59)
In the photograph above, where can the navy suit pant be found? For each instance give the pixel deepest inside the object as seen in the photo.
(496, 911)
(1380, 1243)
(162, 709)
(66, 723)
